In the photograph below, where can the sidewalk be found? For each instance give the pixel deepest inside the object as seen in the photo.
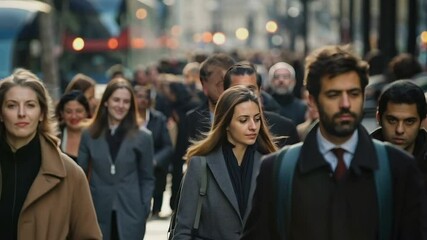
(157, 229)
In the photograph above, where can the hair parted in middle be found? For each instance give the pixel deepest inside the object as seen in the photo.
(100, 118)
(223, 115)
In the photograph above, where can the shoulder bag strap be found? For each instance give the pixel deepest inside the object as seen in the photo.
(202, 193)
(384, 191)
(288, 160)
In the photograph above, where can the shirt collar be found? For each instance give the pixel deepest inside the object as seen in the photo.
(326, 146)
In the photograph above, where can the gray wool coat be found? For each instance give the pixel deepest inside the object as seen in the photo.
(220, 216)
(129, 190)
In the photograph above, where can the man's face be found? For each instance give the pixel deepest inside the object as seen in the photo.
(282, 82)
(400, 123)
(246, 80)
(340, 105)
(213, 86)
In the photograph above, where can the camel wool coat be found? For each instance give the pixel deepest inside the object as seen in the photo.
(58, 204)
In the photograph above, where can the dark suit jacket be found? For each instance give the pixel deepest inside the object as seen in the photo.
(198, 121)
(163, 149)
(282, 127)
(323, 209)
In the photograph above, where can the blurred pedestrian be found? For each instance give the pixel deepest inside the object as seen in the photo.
(72, 111)
(233, 149)
(118, 159)
(334, 193)
(156, 122)
(282, 82)
(44, 193)
(401, 109)
(87, 86)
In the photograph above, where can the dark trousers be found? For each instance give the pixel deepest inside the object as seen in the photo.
(160, 184)
(176, 181)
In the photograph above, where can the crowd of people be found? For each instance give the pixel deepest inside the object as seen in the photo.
(256, 150)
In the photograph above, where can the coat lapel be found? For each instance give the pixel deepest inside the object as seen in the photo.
(52, 170)
(216, 163)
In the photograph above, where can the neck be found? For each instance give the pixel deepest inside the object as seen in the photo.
(239, 152)
(211, 106)
(143, 114)
(16, 144)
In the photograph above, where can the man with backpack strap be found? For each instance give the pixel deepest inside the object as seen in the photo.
(333, 190)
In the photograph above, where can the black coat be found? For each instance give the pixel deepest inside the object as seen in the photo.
(323, 209)
(163, 149)
(420, 150)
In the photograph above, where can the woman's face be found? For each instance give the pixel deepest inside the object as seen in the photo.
(118, 105)
(73, 113)
(245, 124)
(21, 114)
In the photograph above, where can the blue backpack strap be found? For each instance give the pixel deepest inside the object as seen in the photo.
(288, 158)
(383, 185)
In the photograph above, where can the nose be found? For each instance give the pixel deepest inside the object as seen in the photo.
(400, 129)
(252, 125)
(21, 111)
(345, 101)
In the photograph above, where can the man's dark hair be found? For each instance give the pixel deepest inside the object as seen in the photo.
(331, 61)
(221, 60)
(403, 91)
(404, 66)
(240, 69)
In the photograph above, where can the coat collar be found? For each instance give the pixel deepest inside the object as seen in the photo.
(219, 170)
(311, 158)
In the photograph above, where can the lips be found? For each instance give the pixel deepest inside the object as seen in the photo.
(251, 135)
(21, 124)
(398, 141)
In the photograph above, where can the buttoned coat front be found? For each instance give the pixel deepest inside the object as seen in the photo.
(220, 216)
(58, 204)
(129, 190)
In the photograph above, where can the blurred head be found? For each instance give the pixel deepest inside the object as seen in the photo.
(401, 109)
(282, 78)
(87, 86)
(72, 109)
(239, 119)
(143, 97)
(212, 72)
(335, 79)
(404, 66)
(117, 107)
(243, 74)
(26, 109)
(191, 73)
(140, 76)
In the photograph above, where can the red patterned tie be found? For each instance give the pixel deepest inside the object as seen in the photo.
(341, 168)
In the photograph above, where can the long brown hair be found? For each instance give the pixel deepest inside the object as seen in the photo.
(100, 119)
(222, 117)
(48, 127)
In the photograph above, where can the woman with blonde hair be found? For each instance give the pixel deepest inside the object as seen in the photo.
(233, 148)
(44, 194)
(118, 157)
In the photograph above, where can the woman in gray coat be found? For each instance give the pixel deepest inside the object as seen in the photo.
(233, 148)
(118, 159)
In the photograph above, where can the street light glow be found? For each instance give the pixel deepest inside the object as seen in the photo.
(78, 44)
(242, 34)
(141, 13)
(219, 38)
(271, 26)
(424, 37)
